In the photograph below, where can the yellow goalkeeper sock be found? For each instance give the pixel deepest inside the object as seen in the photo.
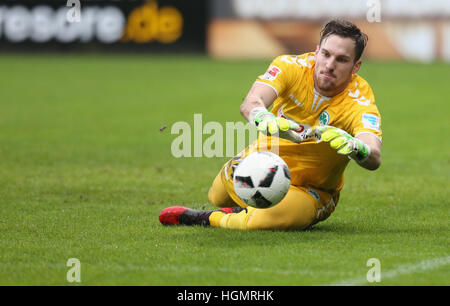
(233, 220)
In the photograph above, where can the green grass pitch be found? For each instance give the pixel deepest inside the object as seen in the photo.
(85, 171)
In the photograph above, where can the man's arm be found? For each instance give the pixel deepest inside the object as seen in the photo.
(364, 149)
(254, 109)
(259, 96)
(373, 161)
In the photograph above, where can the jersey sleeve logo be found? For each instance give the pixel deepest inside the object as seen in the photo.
(271, 73)
(355, 95)
(371, 121)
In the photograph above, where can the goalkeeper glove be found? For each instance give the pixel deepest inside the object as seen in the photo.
(343, 142)
(268, 124)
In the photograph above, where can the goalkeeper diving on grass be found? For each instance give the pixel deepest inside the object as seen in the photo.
(323, 115)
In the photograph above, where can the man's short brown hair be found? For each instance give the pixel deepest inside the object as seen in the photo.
(345, 28)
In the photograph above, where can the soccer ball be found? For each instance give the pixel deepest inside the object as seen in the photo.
(262, 179)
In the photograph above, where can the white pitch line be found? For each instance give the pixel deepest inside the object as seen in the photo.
(425, 265)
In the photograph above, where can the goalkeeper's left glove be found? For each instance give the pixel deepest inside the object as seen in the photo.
(343, 142)
(269, 124)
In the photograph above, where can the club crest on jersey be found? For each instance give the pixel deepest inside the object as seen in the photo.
(271, 73)
(324, 118)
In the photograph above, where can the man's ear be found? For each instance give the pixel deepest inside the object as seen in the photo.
(357, 66)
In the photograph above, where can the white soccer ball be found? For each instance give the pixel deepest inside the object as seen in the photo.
(262, 179)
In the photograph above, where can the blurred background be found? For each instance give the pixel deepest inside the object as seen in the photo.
(398, 29)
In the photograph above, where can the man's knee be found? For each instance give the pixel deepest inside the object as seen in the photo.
(218, 195)
(214, 198)
(296, 211)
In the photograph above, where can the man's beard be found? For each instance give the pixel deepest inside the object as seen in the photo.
(323, 84)
(329, 87)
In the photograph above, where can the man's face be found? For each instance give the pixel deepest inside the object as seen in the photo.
(334, 65)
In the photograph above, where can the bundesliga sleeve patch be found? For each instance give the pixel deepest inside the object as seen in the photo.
(371, 121)
(271, 73)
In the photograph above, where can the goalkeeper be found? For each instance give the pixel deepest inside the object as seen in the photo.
(323, 116)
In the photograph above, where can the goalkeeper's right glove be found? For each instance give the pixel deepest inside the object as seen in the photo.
(268, 124)
(343, 142)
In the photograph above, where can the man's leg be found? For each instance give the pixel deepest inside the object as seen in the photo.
(298, 210)
(218, 195)
(301, 208)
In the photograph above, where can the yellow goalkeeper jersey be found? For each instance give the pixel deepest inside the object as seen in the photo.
(354, 110)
